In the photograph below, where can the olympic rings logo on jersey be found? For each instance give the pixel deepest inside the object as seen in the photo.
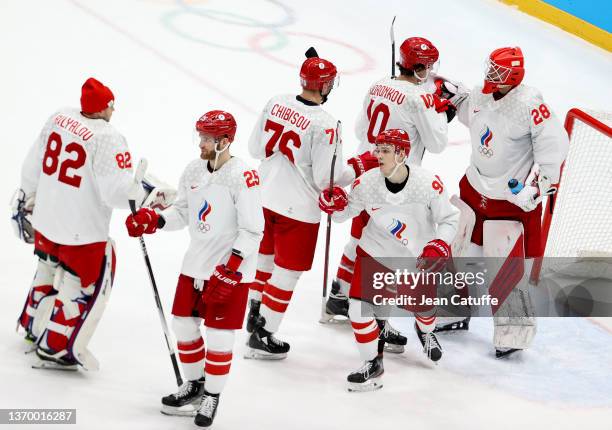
(485, 152)
(203, 213)
(486, 137)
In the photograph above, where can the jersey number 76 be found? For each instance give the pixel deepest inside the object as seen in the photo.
(282, 138)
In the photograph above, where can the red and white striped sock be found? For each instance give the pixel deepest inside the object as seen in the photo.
(190, 345)
(218, 358)
(366, 334)
(277, 295)
(426, 323)
(265, 264)
(344, 276)
(191, 355)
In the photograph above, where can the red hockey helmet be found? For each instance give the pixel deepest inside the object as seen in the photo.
(396, 137)
(316, 72)
(417, 50)
(217, 123)
(505, 66)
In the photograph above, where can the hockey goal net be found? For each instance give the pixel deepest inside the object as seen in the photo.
(577, 223)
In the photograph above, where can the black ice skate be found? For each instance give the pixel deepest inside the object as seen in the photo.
(431, 347)
(394, 341)
(505, 352)
(54, 361)
(336, 307)
(453, 326)
(264, 346)
(253, 315)
(207, 410)
(367, 377)
(185, 402)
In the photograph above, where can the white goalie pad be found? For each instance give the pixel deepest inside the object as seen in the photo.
(467, 220)
(45, 306)
(77, 345)
(507, 272)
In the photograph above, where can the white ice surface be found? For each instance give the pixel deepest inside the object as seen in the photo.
(159, 58)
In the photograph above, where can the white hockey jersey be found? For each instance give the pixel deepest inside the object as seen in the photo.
(402, 223)
(391, 103)
(508, 136)
(223, 212)
(296, 143)
(80, 169)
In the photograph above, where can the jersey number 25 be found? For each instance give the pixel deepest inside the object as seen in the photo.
(51, 160)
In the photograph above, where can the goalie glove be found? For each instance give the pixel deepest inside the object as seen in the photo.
(22, 207)
(159, 195)
(537, 187)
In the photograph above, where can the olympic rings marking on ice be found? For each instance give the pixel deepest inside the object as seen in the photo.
(210, 13)
(368, 62)
(168, 21)
(254, 43)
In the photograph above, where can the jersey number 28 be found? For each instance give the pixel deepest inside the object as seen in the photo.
(51, 160)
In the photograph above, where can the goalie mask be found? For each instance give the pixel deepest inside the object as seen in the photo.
(505, 67)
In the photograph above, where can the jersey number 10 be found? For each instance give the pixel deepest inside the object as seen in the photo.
(51, 160)
(373, 114)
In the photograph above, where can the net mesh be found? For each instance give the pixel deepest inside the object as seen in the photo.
(581, 226)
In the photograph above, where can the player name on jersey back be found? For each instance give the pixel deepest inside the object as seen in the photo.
(296, 140)
(73, 126)
(291, 116)
(391, 94)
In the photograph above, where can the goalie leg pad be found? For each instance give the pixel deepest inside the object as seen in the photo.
(514, 316)
(467, 220)
(40, 299)
(77, 312)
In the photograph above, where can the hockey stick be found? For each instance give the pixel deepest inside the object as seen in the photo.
(328, 228)
(140, 171)
(392, 34)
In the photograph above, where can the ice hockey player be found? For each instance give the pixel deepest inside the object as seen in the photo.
(220, 203)
(411, 217)
(515, 135)
(296, 140)
(78, 170)
(406, 102)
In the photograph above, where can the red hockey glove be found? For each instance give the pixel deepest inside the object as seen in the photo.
(442, 105)
(144, 221)
(224, 279)
(362, 163)
(434, 257)
(333, 200)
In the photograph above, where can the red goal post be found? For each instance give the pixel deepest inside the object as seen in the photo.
(578, 218)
